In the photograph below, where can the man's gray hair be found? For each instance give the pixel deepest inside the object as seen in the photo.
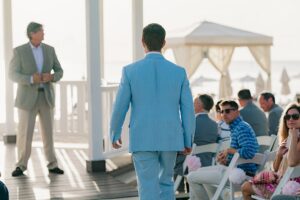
(33, 27)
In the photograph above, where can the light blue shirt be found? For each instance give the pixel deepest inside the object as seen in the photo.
(39, 59)
(38, 56)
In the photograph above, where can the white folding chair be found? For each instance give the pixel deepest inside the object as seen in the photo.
(208, 148)
(236, 160)
(291, 172)
(266, 141)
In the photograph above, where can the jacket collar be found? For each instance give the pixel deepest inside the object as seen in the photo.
(154, 55)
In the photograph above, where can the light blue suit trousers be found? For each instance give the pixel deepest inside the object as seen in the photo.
(149, 164)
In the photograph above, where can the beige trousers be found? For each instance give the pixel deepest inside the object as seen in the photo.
(27, 120)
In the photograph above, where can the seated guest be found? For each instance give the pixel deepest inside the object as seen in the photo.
(267, 103)
(252, 114)
(288, 154)
(223, 128)
(3, 191)
(206, 131)
(243, 141)
(286, 197)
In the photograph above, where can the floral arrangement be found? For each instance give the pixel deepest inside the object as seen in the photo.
(193, 163)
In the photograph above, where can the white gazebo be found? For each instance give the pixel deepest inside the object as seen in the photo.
(98, 109)
(216, 43)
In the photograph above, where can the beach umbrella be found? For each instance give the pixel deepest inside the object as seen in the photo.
(201, 79)
(246, 78)
(296, 76)
(259, 84)
(285, 88)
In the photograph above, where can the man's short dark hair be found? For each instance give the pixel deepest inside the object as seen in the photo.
(33, 27)
(207, 101)
(230, 103)
(154, 37)
(244, 94)
(267, 96)
(217, 106)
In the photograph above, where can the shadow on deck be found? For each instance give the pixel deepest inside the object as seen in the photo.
(75, 184)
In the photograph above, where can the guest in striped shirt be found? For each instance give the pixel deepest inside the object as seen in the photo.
(243, 141)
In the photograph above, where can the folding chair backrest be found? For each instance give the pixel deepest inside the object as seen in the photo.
(266, 141)
(291, 172)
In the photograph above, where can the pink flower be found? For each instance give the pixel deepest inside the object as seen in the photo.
(290, 188)
(193, 163)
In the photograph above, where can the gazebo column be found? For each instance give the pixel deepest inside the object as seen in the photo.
(137, 27)
(9, 136)
(94, 35)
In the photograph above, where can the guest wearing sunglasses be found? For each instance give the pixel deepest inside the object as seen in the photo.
(288, 154)
(243, 141)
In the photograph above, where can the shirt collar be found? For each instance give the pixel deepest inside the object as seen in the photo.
(235, 122)
(33, 47)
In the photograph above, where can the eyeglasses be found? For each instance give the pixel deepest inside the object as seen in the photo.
(227, 111)
(292, 116)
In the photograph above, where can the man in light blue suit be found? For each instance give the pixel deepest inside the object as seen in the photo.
(162, 118)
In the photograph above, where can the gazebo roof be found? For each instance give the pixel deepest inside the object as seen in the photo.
(209, 33)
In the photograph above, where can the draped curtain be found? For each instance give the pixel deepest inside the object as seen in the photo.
(189, 57)
(263, 58)
(220, 57)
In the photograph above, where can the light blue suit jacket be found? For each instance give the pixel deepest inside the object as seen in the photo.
(162, 114)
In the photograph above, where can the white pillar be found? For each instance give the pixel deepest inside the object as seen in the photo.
(137, 27)
(94, 30)
(9, 136)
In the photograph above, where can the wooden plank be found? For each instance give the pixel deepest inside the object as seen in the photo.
(76, 183)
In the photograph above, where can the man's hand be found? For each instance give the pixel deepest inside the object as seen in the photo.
(117, 144)
(187, 151)
(37, 78)
(222, 157)
(47, 77)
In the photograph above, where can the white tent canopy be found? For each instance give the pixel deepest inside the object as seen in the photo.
(216, 43)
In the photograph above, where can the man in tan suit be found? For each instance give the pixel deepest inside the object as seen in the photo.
(34, 67)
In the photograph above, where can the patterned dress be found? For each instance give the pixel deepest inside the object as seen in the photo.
(265, 182)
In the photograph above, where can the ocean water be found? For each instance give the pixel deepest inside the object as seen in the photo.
(240, 69)
(237, 70)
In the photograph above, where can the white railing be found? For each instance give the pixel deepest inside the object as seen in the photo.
(71, 113)
(71, 107)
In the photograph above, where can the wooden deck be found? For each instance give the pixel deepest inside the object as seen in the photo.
(75, 184)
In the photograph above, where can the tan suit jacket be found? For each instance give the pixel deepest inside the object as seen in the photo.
(23, 66)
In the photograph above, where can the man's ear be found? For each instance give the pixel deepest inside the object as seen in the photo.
(164, 43)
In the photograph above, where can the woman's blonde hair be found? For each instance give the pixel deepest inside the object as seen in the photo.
(283, 131)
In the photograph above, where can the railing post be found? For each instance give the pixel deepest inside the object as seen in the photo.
(9, 136)
(94, 29)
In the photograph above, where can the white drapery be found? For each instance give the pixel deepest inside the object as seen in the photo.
(217, 43)
(220, 58)
(190, 57)
(263, 58)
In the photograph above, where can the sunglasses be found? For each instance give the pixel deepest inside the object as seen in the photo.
(292, 116)
(227, 111)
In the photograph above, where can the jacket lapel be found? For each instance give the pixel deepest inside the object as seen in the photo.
(30, 57)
